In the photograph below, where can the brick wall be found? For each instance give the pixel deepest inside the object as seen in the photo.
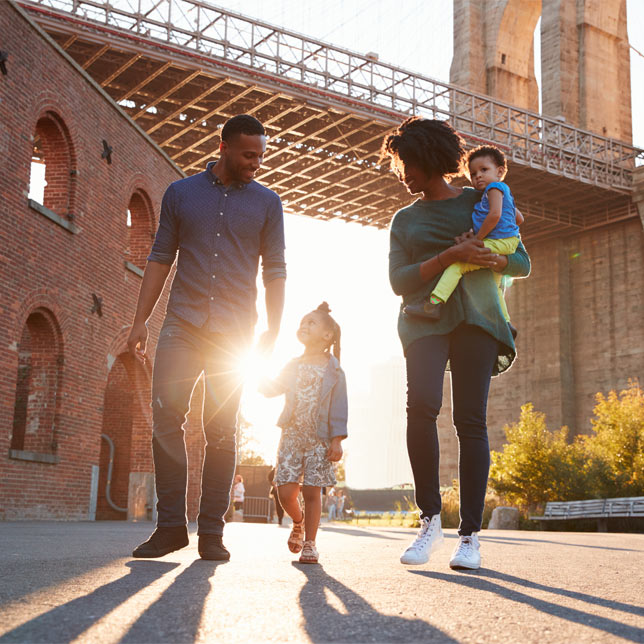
(55, 269)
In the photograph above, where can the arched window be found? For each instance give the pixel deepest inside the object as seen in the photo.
(50, 184)
(40, 361)
(139, 229)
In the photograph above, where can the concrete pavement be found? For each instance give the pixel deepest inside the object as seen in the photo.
(75, 582)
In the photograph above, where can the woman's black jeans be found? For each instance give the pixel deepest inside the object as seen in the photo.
(472, 354)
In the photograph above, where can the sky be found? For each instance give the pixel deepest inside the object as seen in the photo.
(345, 264)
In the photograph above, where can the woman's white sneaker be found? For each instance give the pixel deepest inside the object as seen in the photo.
(466, 555)
(430, 537)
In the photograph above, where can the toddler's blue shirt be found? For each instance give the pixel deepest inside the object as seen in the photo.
(507, 226)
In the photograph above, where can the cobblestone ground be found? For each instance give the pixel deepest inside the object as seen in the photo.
(75, 582)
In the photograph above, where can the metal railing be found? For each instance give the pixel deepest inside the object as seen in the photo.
(330, 73)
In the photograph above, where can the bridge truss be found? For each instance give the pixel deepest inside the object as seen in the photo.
(180, 68)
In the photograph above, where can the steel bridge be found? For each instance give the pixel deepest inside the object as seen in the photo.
(180, 68)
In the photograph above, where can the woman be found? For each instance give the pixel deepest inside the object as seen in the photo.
(471, 338)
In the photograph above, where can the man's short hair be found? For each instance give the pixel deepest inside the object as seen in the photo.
(241, 124)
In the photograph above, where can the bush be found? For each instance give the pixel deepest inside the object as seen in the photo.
(537, 465)
(615, 450)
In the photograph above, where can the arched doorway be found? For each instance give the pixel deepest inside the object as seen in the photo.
(125, 440)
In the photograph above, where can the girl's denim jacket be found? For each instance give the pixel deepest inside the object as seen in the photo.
(333, 410)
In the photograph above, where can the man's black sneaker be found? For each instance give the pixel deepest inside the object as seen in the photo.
(211, 547)
(163, 541)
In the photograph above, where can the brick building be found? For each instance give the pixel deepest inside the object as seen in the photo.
(71, 266)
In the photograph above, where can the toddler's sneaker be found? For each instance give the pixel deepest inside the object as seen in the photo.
(425, 309)
(296, 538)
(466, 555)
(430, 537)
(309, 553)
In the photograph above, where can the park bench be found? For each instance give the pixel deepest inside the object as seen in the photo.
(600, 509)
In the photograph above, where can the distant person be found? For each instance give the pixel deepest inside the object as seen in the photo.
(239, 491)
(339, 504)
(495, 220)
(217, 224)
(331, 501)
(314, 423)
(471, 337)
(279, 510)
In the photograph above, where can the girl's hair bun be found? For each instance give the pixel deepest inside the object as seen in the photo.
(324, 307)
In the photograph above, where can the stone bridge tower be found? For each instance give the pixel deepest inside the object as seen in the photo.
(585, 65)
(580, 313)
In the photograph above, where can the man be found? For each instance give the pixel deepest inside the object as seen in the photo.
(221, 222)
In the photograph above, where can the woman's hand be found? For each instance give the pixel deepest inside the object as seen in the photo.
(472, 251)
(500, 263)
(468, 235)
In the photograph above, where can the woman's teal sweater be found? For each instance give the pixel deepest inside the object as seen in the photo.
(421, 231)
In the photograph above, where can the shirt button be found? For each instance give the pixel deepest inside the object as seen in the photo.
(218, 235)
(221, 214)
(216, 255)
(213, 277)
(225, 194)
(212, 298)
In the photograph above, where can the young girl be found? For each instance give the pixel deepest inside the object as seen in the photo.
(313, 422)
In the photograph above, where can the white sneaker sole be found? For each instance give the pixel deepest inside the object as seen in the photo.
(456, 564)
(437, 543)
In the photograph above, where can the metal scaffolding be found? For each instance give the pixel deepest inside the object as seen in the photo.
(181, 67)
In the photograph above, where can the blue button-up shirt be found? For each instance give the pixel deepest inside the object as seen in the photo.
(220, 232)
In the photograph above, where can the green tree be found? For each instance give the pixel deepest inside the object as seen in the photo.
(615, 449)
(247, 444)
(537, 465)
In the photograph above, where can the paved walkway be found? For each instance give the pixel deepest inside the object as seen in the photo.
(72, 582)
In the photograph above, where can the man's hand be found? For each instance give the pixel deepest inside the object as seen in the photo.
(267, 342)
(334, 453)
(137, 340)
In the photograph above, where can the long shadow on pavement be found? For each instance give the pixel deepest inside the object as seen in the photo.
(357, 532)
(517, 540)
(605, 624)
(572, 594)
(176, 615)
(68, 621)
(361, 623)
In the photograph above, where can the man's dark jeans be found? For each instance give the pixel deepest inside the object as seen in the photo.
(472, 354)
(183, 353)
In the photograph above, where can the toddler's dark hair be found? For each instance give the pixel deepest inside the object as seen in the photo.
(430, 144)
(487, 151)
(335, 329)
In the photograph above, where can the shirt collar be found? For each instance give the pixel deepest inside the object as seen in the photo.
(215, 180)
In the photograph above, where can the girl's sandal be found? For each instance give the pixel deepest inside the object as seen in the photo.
(309, 553)
(296, 538)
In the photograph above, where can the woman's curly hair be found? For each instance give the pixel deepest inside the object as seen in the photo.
(430, 144)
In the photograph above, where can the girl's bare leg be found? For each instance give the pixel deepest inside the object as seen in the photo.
(288, 494)
(313, 506)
